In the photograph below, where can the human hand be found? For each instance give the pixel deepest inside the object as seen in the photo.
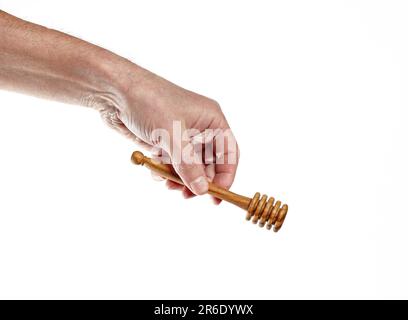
(182, 128)
(138, 103)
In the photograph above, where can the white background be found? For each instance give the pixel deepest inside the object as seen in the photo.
(316, 93)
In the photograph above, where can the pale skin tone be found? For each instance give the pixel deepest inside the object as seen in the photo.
(46, 63)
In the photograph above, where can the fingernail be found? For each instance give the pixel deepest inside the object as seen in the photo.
(199, 186)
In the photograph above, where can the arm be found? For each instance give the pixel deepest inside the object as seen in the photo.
(47, 63)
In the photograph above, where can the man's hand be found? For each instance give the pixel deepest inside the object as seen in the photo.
(182, 127)
(187, 129)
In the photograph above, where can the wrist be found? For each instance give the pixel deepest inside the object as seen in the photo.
(119, 79)
(100, 72)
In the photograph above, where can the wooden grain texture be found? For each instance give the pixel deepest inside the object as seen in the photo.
(259, 209)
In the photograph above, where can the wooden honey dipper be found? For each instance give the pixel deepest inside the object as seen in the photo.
(260, 209)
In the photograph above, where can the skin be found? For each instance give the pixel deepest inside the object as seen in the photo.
(46, 63)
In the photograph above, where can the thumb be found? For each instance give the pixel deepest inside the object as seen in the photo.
(190, 167)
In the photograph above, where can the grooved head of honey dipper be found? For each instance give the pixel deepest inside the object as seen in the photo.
(137, 157)
(281, 218)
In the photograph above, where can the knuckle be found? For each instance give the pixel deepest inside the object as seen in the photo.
(214, 105)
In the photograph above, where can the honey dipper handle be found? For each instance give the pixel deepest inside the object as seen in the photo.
(214, 190)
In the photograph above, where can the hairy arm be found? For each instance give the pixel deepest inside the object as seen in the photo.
(46, 63)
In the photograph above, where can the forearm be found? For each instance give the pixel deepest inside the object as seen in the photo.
(47, 63)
